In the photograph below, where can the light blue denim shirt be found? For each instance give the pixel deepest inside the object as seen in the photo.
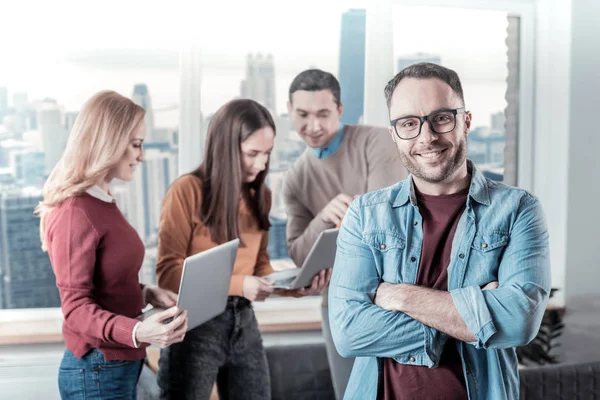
(501, 236)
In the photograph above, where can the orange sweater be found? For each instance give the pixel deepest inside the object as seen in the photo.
(183, 234)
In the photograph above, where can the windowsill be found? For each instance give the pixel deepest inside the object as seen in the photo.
(44, 325)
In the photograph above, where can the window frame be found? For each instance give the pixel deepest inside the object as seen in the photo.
(45, 325)
(379, 66)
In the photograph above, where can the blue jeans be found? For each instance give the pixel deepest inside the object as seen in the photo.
(94, 378)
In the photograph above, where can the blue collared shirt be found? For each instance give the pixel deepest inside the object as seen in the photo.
(501, 236)
(331, 147)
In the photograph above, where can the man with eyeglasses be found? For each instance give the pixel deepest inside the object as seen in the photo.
(341, 161)
(438, 278)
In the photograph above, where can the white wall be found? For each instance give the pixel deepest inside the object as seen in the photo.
(567, 166)
(583, 213)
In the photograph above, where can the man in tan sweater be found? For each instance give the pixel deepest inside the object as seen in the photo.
(342, 161)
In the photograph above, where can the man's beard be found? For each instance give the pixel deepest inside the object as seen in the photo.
(449, 168)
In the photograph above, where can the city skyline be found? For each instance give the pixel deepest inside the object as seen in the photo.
(35, 132)
(90, 62)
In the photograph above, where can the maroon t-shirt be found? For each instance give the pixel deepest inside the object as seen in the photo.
(440, 219)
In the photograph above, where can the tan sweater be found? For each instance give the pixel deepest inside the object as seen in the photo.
(366, 160)
(183, 234)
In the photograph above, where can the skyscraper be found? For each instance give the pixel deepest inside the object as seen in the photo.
(20, 102)
(141, 97)
(352, 64)
(70, 118)
(259, 84)
(28, 167)
(140, 200)
(277, 247)
(411, 59)
(3, 102)
(52, 132)
(27, 276)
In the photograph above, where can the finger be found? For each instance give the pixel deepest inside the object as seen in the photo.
(344, 198)
(178, 321)
(322, 277)
(266, 289)
(339, 209)
(168, 313)
(172, 296)
(266, 281)
(333, 217)
(315, 283)
(181, 327)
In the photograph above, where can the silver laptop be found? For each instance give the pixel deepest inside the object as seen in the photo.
(204, 285)
(320, 257)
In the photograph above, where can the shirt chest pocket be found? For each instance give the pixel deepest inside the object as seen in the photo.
(486, 253)
(388, 250)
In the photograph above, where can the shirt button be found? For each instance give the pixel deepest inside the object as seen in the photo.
(484, 245)
(413, 259)
(461, 256)
(382, 246)
(412, 359)
(416, 223)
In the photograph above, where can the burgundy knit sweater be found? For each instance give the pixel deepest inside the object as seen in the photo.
(96, 256)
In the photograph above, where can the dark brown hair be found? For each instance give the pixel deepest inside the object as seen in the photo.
(425, 70)
(221, 171)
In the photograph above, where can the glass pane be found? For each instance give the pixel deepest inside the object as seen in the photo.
(479, 52)
(261, 64)
(42, 87)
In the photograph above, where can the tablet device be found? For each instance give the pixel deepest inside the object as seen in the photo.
(320, 257)
(204, 285)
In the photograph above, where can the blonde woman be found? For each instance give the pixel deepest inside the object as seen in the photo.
(96, 256)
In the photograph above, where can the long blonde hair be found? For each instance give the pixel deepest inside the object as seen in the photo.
(97, 142)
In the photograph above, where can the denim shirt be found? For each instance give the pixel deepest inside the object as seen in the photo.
(501, 236)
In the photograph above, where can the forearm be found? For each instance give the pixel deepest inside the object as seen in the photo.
(84, 315)
(434, 308)
(361, 329)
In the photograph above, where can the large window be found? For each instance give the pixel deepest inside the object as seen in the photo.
(246, 53)
(262, 62)
(482, 47)
(42, 88)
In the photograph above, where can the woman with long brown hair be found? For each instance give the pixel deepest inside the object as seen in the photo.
(223, 199)
(96, 256)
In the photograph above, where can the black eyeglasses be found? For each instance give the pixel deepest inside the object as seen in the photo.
(440, 122)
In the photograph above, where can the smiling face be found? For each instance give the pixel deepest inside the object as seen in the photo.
(256, 150)
(316, 116)
(125, 168)
(431, 158)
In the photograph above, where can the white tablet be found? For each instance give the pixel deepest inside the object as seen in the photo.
(320, 257)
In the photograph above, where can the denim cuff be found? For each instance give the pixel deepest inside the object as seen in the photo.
(471, 306)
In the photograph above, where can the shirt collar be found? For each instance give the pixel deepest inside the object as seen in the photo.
(97, 192)
(478, 190)
(331, 147)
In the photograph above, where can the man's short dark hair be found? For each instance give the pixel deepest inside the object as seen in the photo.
(314, 80)
(425, 70)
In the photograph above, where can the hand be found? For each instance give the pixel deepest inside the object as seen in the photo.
(154, 331)
(490, 286)
(160, 297)
(387, 296)
(257, 289)
(335, 210)
(319, 282)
